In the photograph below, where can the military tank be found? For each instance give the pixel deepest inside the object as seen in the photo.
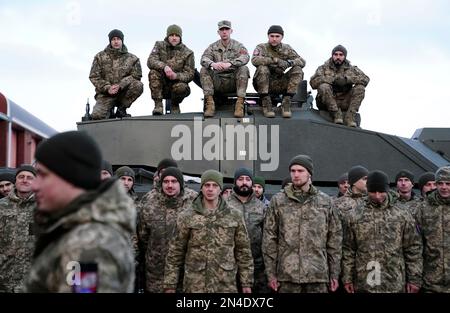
(264, 145)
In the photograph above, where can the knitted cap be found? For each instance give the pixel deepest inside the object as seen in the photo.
(443, 174)
(106, 166)
(339, 48)
(26, 168)
(356, 173)
(174, 29)
(303, 160)
(425, 178)
(212, 175)
(175, 172)
(164, 163)
(405, 173)
(242, 171)
(115, 33)
(258, 180)
(377, 181)
(275, 29)
(125, 171)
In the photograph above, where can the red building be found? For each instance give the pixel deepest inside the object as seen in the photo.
(20, 133)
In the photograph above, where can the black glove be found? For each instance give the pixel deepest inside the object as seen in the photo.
(340, 81)
(283, 64)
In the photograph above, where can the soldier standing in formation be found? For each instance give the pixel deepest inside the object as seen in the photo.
(16, 231)
(224, 70)
(259, 187)
(382, 250)
(343, 185)
(244, 199)
(405, 183)
(127, 176)
(434, 220)
(116, 75)
(172, 67)
(212, 243)
(302, 235)
(340, 87)
(107, 171)
(84, 224)
(157, 223)
(7, 181)
(272, 60)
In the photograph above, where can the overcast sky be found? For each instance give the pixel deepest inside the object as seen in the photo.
(47, 48)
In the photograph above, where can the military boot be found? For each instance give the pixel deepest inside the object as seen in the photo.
(267, 107)
(239, 107)
(210, 109)
(350, 119)
(286, 107)
(175, 108)
(122, 112)
(337, 116)
(158, 110)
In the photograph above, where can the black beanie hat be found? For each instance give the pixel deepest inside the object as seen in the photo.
(26, 168)
(11, 177)
(339, 48)
(74, 156)
(125, 171)
(303, 160)
(356, 173)
(342, 178)
(106, 166)
(405, 173)
(175, 172)
(242, 171)
(276, 29)
(377, 181)
(115, 33)
(227, 186)
(165, 163)
(425, 178)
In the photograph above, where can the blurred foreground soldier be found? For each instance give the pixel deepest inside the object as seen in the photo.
(227, 190)
(127, 176)
(426, 183)
(172, 68)
(116, 75)
(259, 187)
(278, 71)
(302, 236)
(434, 219)
(84, 224)
(224, 70)
(157, 222)
(212, 243)
(16, 231)
(244, 199)
(7, 181)
(107, 171)
(343, 185)
(340, 87)
(382, 250)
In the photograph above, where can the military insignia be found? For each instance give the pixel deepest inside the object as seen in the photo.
(256, 52)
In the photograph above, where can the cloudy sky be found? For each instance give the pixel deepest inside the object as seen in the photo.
(47, 48)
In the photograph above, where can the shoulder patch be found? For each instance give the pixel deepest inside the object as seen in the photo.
(155, 50)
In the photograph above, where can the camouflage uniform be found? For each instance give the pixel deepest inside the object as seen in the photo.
(214, 247)
(157, 221)
(112, 66)
(269, 77)
(16, 240)
(385, 234)
(331, 97)
(253, 211)
(95, 228)
(346, 204)
(302, 240)
(181, 60)
(234, 79)
(434, 219)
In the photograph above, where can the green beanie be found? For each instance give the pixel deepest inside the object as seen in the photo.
(303, 160)
(258, 180)
(212, 175)
(174, 29)
(125, 171)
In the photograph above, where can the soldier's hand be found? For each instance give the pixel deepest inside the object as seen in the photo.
(246, 290)
(340, 81)
(283, 64)
(114, 89)
(274, 284)
(334, 284)
(349, 288)
(411, 288)
(169, 290)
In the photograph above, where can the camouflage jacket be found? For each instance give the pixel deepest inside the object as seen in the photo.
(382, 250)
(214, 248)
(265, 54)
(94, 229)
(347, 203)
(112, 66)
(235, 53)
(434, 219)
(253, 211)
(302, 237)
(179, 58)
(328, 72)
(16, 240)
(157, 222)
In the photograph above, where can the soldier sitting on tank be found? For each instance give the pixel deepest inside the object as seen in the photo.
(116, 75)
(172, 68)
(340, 87)
(224, 71)
(272, 60)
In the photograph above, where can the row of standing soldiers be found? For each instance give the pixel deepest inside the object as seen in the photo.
(116, 75)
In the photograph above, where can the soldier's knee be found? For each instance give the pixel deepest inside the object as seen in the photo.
(325, 89)
(180, 88)
(243, 72)
(204, 71)
(297, 71)
(263, 70)
(359, 89)
(154, 74)
(137, 86)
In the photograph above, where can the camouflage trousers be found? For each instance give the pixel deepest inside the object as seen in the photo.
(124, 98)
(163, 88)
(228, 82)
(288, 287)
(268, 81)
(350, 101)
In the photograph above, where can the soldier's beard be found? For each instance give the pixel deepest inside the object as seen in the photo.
(338, 63)
(243, 192)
